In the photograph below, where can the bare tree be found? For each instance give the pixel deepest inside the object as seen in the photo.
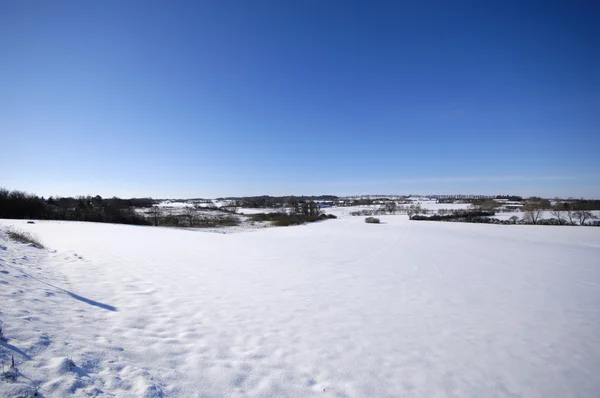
(532, 210)
(390, 207)
(571, 215)
(413, 210)
(559, 214)
(489, 205)
(583, 216)
(190, 215)
(155, 214)
(231, 208)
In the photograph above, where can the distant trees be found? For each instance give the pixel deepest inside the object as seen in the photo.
(533, 209)
(307, 208)
(486, 205)
(21, 205)
(576, 212)
(232, 208)
(413, 210)
(266, 201)
(189, 213)
(583, 215)
(513, 198)
(559, 214)
(391, 207)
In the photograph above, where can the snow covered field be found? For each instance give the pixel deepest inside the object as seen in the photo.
(331, 309)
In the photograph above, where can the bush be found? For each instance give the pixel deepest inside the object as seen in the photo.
(24, 237)
(327, 216)
(368, 212)
(372, 220)
(284, 220)
(217, 222)
(459, 215)
(173, 220)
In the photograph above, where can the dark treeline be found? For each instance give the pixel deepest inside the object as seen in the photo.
(580, 204)
(266, 201)
(475, 200)
(459, 215)
(513, 198)
(21, 205)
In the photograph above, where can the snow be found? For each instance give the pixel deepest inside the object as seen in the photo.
(169, 204)
(248, 210)
(338, 308)
(434, 206)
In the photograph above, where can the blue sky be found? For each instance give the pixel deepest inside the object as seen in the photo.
(219, 98)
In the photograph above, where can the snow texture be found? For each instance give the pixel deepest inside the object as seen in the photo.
(338, 308)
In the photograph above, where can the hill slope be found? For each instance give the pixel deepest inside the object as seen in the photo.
(339, 308)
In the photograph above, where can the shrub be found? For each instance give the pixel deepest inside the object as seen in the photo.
(327, 216)
(367, 212)
(173, 220)
(284, 220)
(372, 220)
(217, 222)
(24, 237)
(458, 215)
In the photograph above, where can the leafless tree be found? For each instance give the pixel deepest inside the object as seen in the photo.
(533, 209)
(391, 207)
(190, 215)
(571, 215)
(583, 216)
(413, 210)
(155, 214)
(488, 205)
(532, 212)
(559, 214)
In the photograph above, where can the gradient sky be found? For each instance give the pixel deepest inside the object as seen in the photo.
(219, 98)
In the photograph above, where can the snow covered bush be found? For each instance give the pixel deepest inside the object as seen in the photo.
(372, 220)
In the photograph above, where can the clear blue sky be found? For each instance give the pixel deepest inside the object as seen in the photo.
(218, 98)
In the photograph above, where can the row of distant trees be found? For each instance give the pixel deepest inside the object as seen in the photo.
(193, 217)
(576, 212)
(277, 201)
(22, 205)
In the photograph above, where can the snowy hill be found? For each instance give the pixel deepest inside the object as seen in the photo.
(333, 309)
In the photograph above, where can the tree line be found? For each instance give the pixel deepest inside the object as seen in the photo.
(22, 205)
(575, 212)
(274, 202)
